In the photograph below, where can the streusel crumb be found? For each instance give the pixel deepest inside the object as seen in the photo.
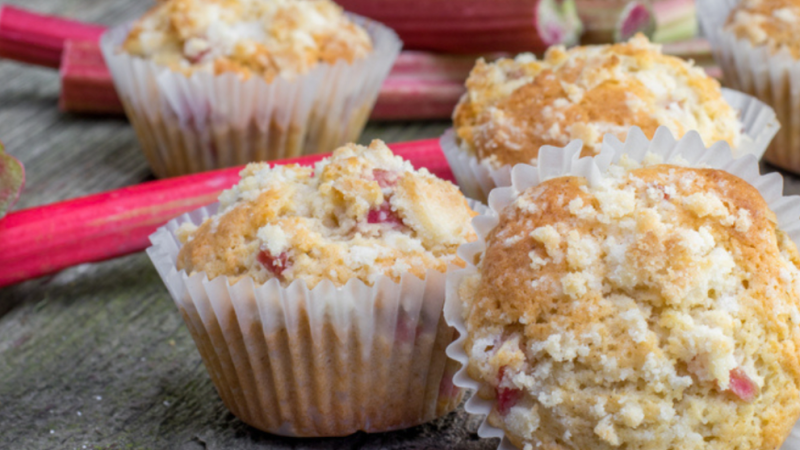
(514, 106)
(657, 310)
(361, 213)
(262, 38)
(773, 23)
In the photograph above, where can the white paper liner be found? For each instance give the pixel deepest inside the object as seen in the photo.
(207, 121)
(555, 162)
(477, 179)
(755, 70)
(321, 362)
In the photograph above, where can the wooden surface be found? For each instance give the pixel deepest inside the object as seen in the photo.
(97, 356)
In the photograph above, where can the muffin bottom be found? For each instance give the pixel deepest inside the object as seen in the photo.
(173, 149)
(328, 381)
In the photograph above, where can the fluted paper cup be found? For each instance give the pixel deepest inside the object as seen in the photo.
(555, 162)
(206, 121)
(477, 178)
(755, 70)
(327, 361)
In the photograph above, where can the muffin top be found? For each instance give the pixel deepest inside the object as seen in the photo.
(263, 38)
(514, 106)
(657, 310)
(361, 213)
(773, 23)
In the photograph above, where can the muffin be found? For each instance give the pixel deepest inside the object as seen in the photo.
(217, 83)
(515, 106)
(654, 306)
(758, 47)
(323, 313)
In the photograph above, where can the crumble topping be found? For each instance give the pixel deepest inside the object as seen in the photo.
(514, 106)
(262, 38)
(361, 213)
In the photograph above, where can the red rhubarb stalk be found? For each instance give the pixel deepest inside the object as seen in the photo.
(38, 39)
(43, 240)
(676, 20)
(469, 26)
(421, 85)
(12, 180)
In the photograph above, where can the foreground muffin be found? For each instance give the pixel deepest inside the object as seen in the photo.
(514, 106)
(657, 308)
(327, 284)
(757, 45)
(217, 83)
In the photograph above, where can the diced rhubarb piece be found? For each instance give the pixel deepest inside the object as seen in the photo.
(507, 397)
(385, 178)
(12, 180)
(742, 386)
(384, 216)
(470, 26)
(39, 39)
(275, 264)
(46, 239)
(407, 329)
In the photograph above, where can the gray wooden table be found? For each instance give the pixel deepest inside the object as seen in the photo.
(97, 357)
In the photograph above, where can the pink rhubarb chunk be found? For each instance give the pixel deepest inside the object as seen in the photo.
(742, 386)
(275, 264)
(385, 215)
(507, 397)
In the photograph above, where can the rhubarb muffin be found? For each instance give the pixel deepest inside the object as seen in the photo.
(326, 288)
(261, 38)
(656, 308)
(757, 45)
(216, 83)
(769, 23)
(514, 106)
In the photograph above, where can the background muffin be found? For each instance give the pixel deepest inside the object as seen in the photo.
(218, 83)
(757, 45)
(656, 309)
(772, 23)
(315, 295)
(264, 38)
(513, 107)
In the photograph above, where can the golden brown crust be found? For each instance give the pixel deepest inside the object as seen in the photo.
(513, 107)
(642, 312)
(773, 23)
(264, 38)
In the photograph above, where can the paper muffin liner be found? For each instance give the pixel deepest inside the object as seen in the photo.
(556, 162)
(476, 178)
(206, 121)
(755, 70)
(325, 361)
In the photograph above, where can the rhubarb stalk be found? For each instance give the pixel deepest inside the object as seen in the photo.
(46, 239)
(421, 85)
(614, 20)
(38, 39)
(12, 180)
(469, 26)
(676, 20)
